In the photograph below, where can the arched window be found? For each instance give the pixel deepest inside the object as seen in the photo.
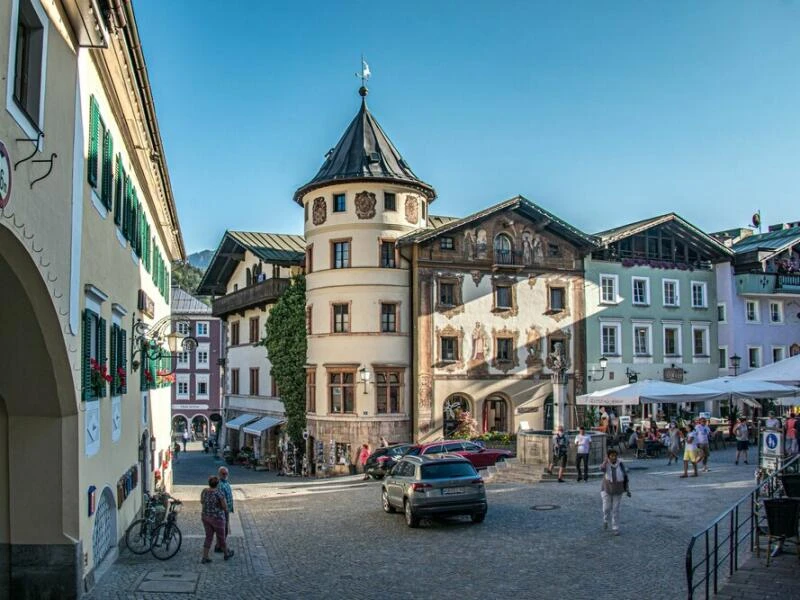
(495, 414)
(503, 249)
(453, 410)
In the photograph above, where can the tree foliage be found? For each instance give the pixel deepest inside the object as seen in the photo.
(187, 277)
(285, 341)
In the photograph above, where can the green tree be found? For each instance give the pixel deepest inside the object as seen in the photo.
(285, 341)
(187, 277)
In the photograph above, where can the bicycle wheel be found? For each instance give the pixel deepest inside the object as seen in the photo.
(139, 536)
(167, 541)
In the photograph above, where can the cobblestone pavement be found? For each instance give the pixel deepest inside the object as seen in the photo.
(331, 539)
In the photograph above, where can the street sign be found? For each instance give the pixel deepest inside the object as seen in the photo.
(772, 443)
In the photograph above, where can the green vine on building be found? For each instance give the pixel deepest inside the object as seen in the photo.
(285, 341)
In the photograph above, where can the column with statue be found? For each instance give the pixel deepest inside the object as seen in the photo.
(558, 363)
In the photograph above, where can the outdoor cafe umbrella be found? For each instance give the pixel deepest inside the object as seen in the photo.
(784, 371)
(748, 390)
(650, 391)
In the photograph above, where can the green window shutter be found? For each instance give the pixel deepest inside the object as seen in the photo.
(126, 210)
(107, 189)
(123, 358)
(86, 354)
(119, 189)
(112, 358)
(143, 368)
(134, 220)
(102, 354)
(94, 134)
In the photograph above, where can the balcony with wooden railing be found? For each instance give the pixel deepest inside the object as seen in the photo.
(253, 296)
(767, 283)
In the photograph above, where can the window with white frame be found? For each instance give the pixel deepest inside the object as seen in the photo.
(641, 290)
(778, 353)
(671, 292)
(202, 356)
(641, 339)
(754, 356)
(672, 341)
(722, 312)
(27, 65)
(610, 339)
(700, 335)
(201, 381)
(182, 383)
(751, 312)
(699, 298)
(202, 329)
(183, 359)
(184, 327)
(776, 312)
(609, 286)
(723, 357)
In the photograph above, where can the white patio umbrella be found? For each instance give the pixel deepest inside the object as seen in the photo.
(785, 371)
(748, 390)
(650, 391)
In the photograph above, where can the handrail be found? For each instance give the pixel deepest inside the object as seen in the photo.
(729, 536)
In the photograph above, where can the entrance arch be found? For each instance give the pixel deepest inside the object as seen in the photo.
(179, 424)
(104, 532)
(452, 410)
(39, 436)
(495, 414)
(199, 427)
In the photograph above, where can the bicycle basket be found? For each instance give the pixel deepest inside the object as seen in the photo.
(176, 507)
(159, 512)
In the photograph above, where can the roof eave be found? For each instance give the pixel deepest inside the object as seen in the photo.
(421, 186)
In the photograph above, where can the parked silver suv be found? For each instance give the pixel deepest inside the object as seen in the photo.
(426, 486)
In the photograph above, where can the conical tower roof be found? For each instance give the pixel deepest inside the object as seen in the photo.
(365, 153)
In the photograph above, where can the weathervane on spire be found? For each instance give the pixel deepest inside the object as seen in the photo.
(364, 75)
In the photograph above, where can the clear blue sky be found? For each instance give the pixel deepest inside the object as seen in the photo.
(602, 112)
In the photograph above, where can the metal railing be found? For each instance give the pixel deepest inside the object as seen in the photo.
(716, 553)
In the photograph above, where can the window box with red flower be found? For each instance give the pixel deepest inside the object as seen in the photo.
(99, 377)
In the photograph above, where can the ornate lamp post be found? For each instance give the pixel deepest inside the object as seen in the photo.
(736, 360)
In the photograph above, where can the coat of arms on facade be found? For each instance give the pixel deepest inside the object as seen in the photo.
(319, 211)
(365, 205)
(412, 209)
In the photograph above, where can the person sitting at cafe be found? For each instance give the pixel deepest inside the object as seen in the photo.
(633, 439)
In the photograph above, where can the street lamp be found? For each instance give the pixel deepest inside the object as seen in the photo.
(364, 374)
(735, 362)
(603, 365)
(149, 340)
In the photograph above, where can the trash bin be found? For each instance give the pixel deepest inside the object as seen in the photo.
(791, 485)
(782, 516)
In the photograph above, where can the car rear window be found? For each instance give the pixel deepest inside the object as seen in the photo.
(445, 470)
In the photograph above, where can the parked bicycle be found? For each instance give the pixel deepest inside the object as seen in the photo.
(167, 537)
(139, 536)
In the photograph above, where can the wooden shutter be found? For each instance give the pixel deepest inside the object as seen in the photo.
(123, 358)
(112, 359)
(94, 133)
(126, 210)
(102, 355)
(86, 354)
(119, 189)
(106, 191)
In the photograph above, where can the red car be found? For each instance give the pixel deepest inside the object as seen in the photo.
(479, 456)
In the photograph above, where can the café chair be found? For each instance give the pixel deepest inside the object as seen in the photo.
(782, 516)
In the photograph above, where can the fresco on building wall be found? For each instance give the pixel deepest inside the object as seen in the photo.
(412, 209)
(365, 205)
(534, 347)
(319, 212)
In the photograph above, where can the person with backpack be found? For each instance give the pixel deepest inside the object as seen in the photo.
(559, 457)
(615, 483)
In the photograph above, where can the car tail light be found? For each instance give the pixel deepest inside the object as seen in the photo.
(477, 481)
(420, 487)
(383, 459)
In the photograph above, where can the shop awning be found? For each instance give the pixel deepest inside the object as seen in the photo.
(240, 420)
(262, 425)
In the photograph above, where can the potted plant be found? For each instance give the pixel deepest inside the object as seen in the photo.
(99, 376)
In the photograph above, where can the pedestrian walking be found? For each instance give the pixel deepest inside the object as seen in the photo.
(674, 444)
(615, 483)
(363, 455)
(185, 439)
(559, 456)
(690, 455)
(791, 434)
(742, 433)
(583, 443)
(384, 443)
(215, 508)
(225, 488)
(702, 435)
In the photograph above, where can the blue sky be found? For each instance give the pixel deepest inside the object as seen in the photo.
(601, 112)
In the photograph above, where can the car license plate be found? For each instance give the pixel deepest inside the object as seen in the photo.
(453, 490)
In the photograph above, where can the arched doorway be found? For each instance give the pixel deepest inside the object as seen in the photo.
(216, 425)
(548, 413)
(199, 427)
(179, 424)
(452, 413)
(495, 414)
(39, 435)
(104, 532)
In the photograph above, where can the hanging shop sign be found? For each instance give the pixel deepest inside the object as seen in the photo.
(146, 304)
(5, 176)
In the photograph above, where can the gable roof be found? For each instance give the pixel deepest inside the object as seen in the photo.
(183, 303)
(364, 152)
(772, 241)
(275, 248)
(437, 221)
(519, 204)
(671, 221)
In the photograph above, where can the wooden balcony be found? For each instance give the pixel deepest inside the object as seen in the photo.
(510, 260)
(255, 296)
(767, 283)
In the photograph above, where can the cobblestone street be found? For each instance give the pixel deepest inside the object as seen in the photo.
(305, 539)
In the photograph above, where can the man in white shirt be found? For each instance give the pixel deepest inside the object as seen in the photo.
(702, 434)
(583, 443)
(772, 421)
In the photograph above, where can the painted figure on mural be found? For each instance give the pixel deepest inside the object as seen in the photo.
(527, 247)
(481, 246)
(538, 249)
(469, 245)
(478, 343)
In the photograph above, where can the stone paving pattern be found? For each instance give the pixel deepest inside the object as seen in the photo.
(330, 539)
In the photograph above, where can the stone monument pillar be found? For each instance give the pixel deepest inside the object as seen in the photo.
(558, 363)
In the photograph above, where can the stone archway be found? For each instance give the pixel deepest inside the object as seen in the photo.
(104, 531)
(452, 410)
(199, 427)
(496, 414)
(179, 424)
(39, 437)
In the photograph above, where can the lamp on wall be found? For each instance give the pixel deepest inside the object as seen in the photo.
(364, 375)
(736, 360)
(141, 452)
(157, 341)
(603, 362)
(152, 444)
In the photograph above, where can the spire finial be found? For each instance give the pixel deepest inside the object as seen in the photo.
(364, 75)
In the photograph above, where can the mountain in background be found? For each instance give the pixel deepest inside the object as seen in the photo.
(201, 259)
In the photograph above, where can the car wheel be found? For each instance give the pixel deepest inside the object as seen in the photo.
(478, 517)
(500, 459)
(411, 519)
(387, 506)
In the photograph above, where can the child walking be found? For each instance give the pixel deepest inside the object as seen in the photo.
(690, 455)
